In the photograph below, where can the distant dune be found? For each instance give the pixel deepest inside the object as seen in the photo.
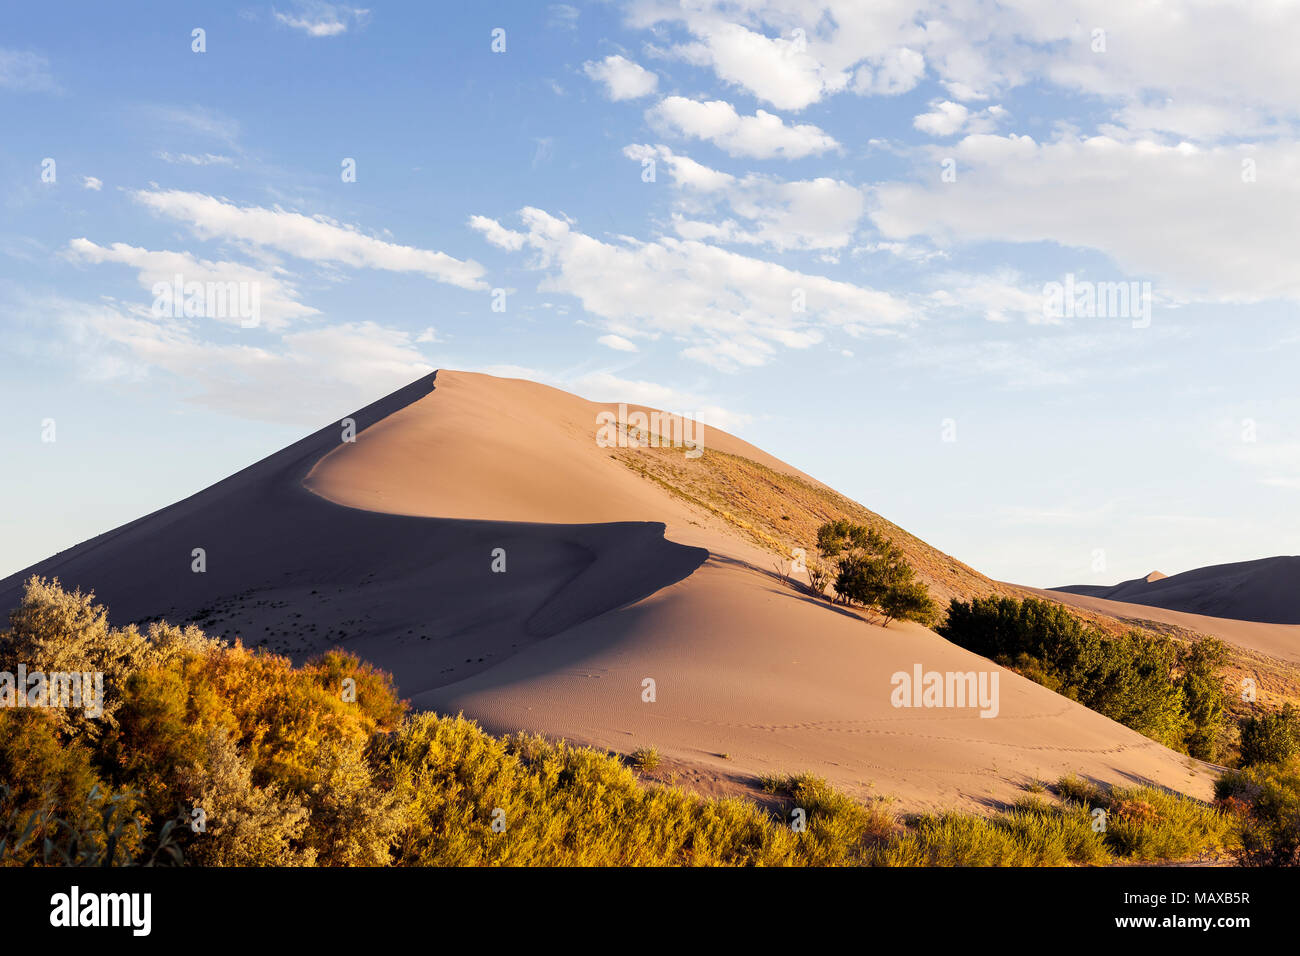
(1266, 590)
(615, 574)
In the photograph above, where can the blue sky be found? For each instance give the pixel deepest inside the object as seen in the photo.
(827, 227)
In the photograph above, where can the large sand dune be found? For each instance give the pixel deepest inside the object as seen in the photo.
(385, 546)
(1266, 590)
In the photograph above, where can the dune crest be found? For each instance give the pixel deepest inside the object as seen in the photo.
(1266, 590)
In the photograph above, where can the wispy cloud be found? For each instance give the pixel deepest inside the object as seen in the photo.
(307, 237)
(25, 71)
(319, 19)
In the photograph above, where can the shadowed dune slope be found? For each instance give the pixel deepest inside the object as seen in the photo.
(385, 546)
(1265, 590)
(290, 571)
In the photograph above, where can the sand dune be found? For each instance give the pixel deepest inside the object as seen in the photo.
(386, 546)
(1265, 590)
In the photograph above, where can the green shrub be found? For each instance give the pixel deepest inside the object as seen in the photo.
(289, 770)
(1031, 833)
(1171, 693)
(1149, 824)
(1267, 798)
(645, 758)
(1270, 738)
(871, 572)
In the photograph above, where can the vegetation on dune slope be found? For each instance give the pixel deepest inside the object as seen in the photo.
(782, 512)
(211, 754)
(1174, 692)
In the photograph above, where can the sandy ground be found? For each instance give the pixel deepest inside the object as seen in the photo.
(386, 546)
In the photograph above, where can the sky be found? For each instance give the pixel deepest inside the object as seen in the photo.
(1020, 277)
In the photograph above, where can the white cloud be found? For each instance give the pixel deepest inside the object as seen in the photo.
(90, 182)
(775, 69)
(497, 234)
(618, 343)
(623, 79)
(189, 159)
(726, 310)
(977, 49)
(793, 54)
(196, 121)
(562, 16)
(306, 237)
(1002, 296)
(301, 378)
(1180, 216)
(944, 119)
(761, 136)
(803, 214)
(684, 170)
(319, 19)
(608, 387)
(26, 72)
(277, 297)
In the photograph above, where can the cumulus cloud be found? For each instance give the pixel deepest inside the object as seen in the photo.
(818, 213)
(623, 79)
(761, 136)
(1184, 217)
(90, 182)
(946, 118)
(792, 53)
(727, 310)
(307, 237)
(497, 234)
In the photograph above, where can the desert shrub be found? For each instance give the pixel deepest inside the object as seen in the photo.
(839, 831)
(53, 785)
(871, 571)
(354, 821)
(1267, 799)
(1031, 833)
(556, 805)
(245, 825)
(1150, 824)
(645, 758)
(290, 770)
(106, 834)
(1270, 738)
(1205, 699)
(1173, 695)
(54, 630)
(819, 575)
